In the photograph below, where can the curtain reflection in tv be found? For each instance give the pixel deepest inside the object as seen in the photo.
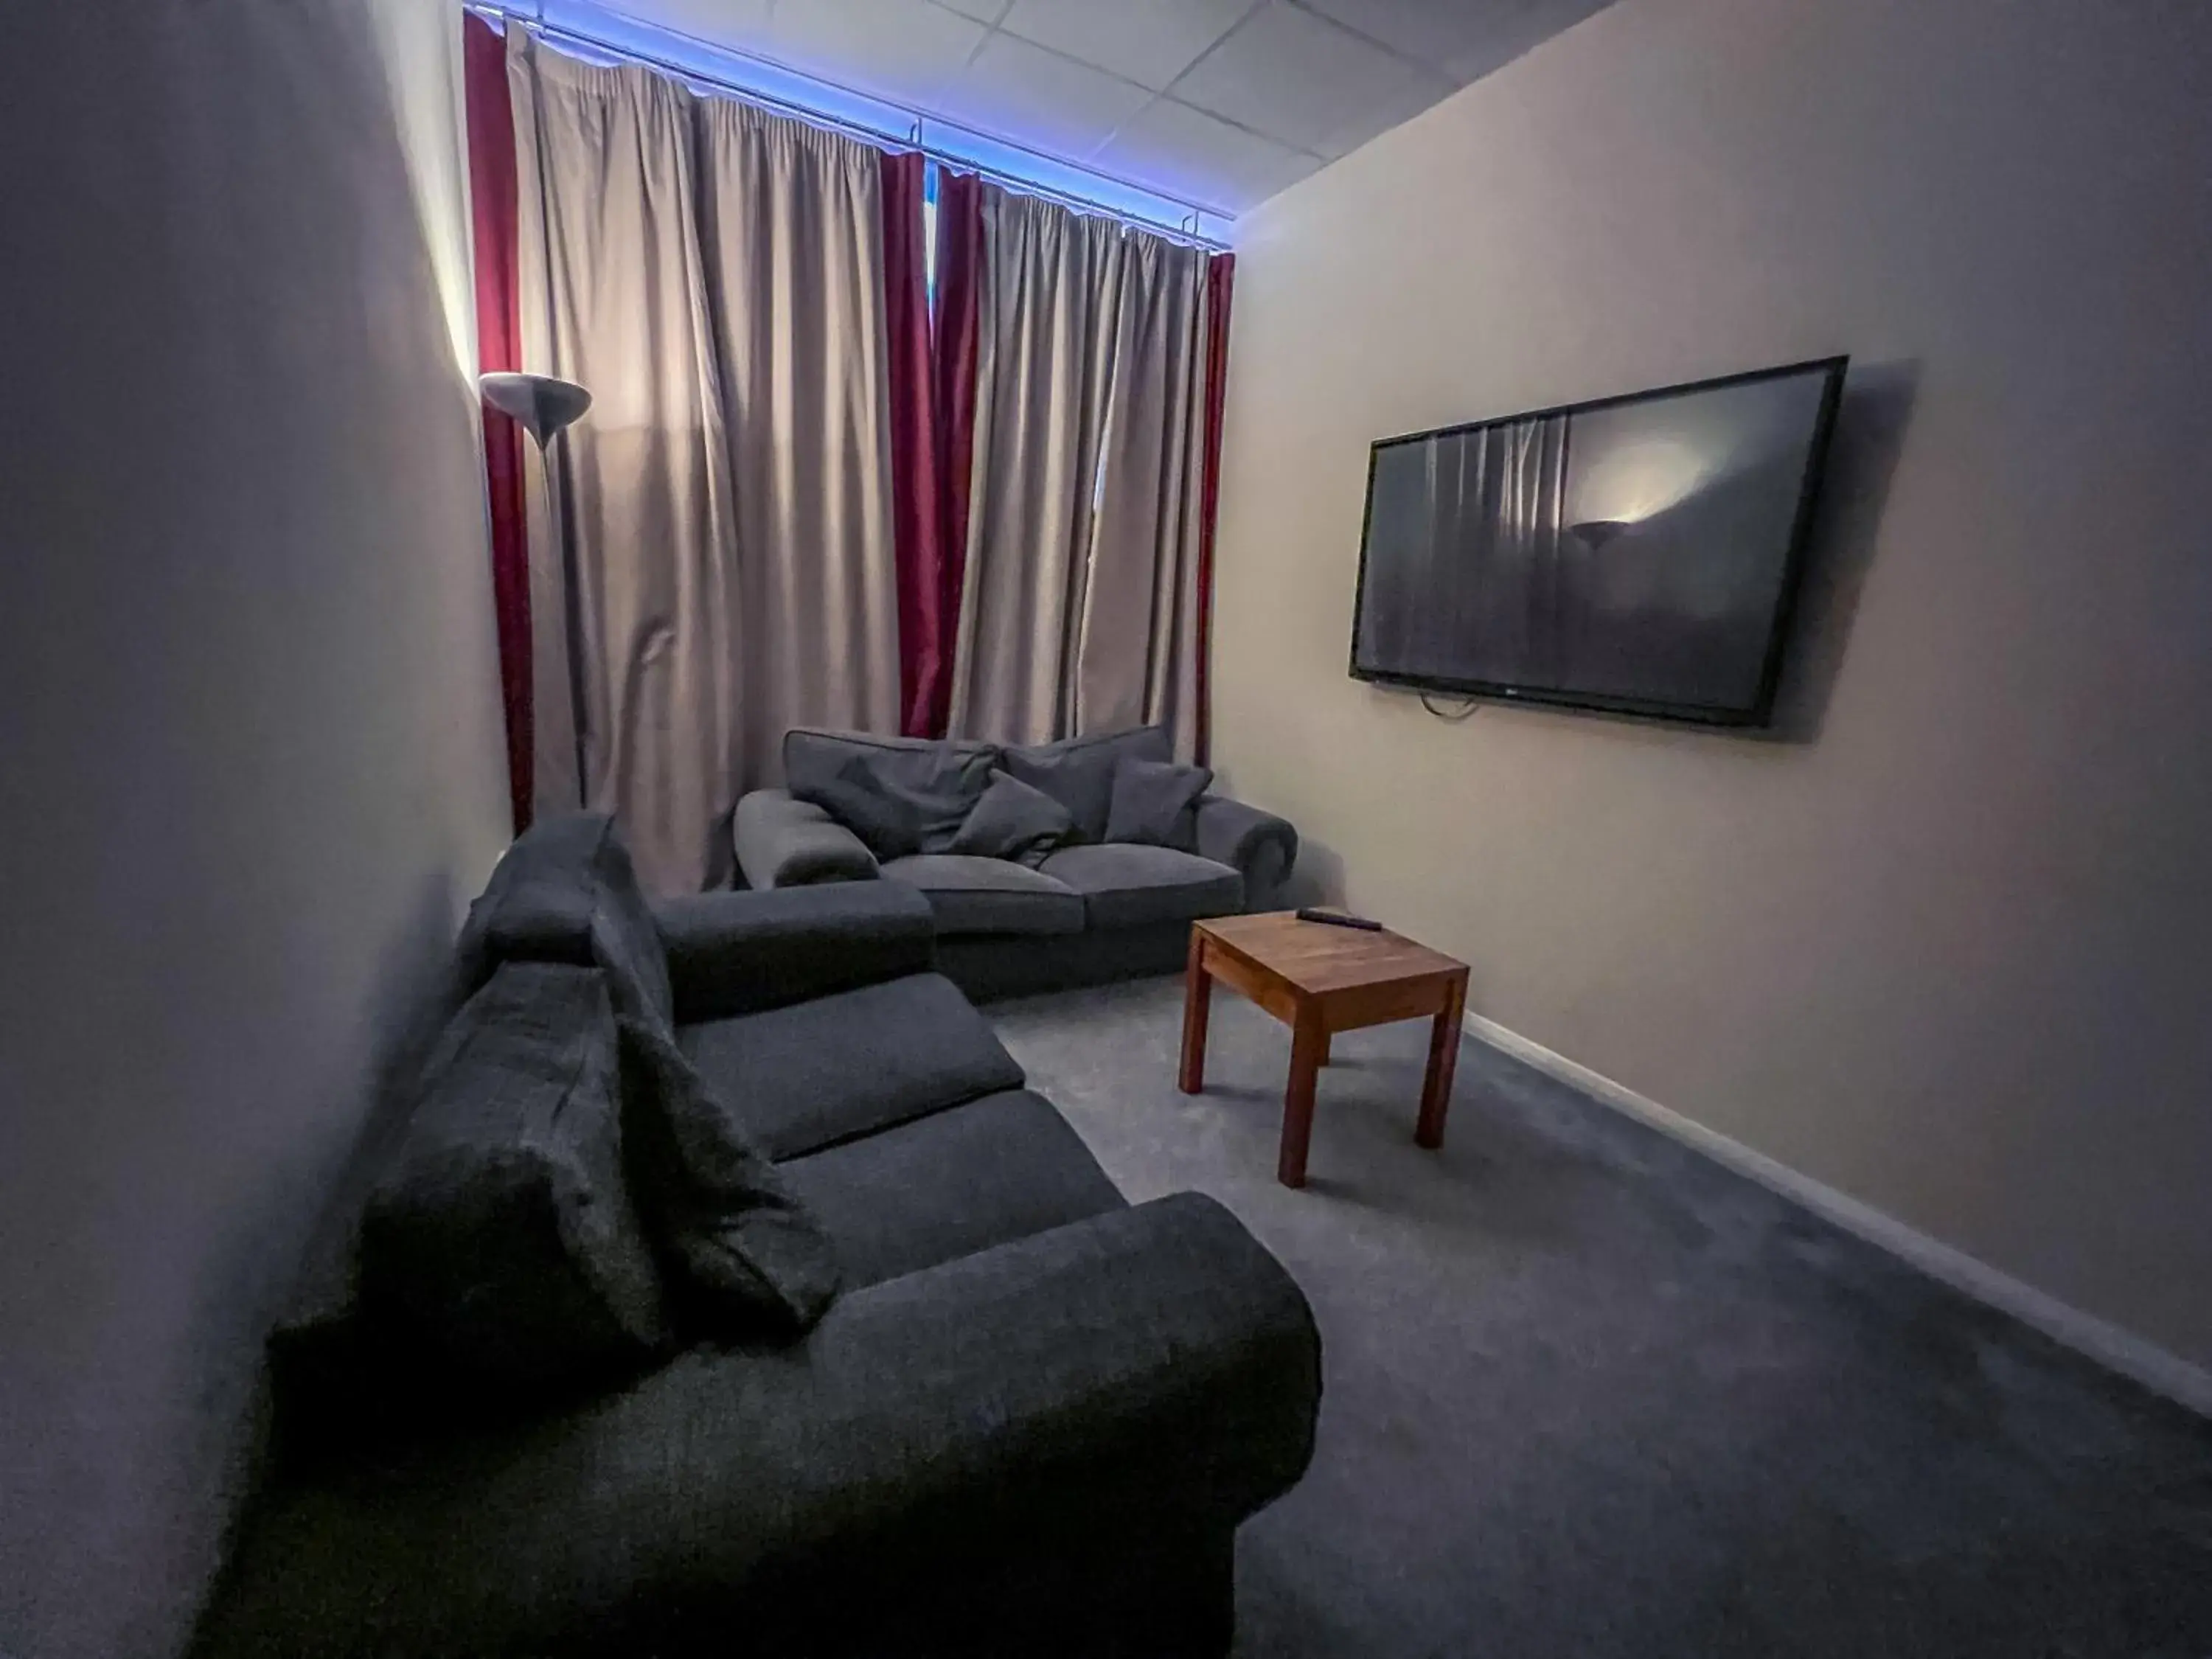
(1477, 517)
(1635, 551)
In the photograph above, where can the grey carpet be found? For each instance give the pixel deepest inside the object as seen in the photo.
(1589, 1393)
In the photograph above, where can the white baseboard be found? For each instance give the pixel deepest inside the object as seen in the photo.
(2132, 1355)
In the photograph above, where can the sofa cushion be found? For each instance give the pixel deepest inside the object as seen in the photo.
(743, 1253)
(989, 896)
(566, 891)
(819, 1072)
(996, 1169)
(502, 1237)
(1155, 803)
(888, 824)
(928, 786)
(1013, 821)
(1125, 886)
(1078, 772)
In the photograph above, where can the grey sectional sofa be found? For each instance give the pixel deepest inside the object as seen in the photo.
(1031, 1423)
(1089, 912)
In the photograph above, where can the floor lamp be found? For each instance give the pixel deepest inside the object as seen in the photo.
(547, 407)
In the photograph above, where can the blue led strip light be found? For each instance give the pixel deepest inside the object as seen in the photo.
(590, 31)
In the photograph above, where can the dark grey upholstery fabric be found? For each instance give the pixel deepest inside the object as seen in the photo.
(502, 1237)
(1155, 803)
(566, 891)
(538, 905)
(1260, 845)
(961, 1180)
(942, 1443)
(1078, 772)
(1129, 886)
(1013, 821)
(988, 896)
(1034, 1430)
(743, 1253)
(888, 824)
(737, 953)
(991, 965)
(782, 841)
(928, 787)
(820, 1072)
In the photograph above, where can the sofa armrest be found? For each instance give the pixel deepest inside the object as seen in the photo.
(1260, 845)
(1147, 1373)
(784, 842)
(736, 953)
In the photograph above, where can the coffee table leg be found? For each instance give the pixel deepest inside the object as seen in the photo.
(1443, 1060)
(1197, 1003)
(1309, 1039)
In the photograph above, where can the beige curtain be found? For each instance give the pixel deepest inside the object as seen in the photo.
(1078, 607)
(713, 275)
(793, 224)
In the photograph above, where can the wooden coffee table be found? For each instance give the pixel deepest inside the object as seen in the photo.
(1319, 980)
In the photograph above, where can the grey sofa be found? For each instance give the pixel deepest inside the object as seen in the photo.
(1091, 912)
(1031, 1423)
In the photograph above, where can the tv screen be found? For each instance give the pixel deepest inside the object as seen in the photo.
(1636, 555)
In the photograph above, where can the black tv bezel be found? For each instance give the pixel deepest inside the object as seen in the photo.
(1760, 712)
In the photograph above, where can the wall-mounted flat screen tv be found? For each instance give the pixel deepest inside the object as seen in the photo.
(1635, 555)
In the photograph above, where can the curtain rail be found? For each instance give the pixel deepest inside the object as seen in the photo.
(559, 35)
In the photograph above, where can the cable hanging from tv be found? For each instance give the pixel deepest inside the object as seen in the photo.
(1454, 715)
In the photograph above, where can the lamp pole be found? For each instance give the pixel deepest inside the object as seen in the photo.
(546, 407)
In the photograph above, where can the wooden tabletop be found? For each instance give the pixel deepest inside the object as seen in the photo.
(1318, 958)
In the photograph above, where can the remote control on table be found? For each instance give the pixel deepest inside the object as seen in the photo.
(1337, 919)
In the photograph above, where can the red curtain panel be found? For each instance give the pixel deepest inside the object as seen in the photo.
(1220, 284)
(917, 521)
(959, 266)
(499, 346)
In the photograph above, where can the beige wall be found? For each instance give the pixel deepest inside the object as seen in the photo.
(1950, 953)
(250, 756)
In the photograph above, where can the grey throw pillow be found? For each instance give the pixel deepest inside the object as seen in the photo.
(933, 783)
(1155, 803)
(886, 823)
(1078, 772)
(744, 1257)
(1013, 821)
(501, 1240)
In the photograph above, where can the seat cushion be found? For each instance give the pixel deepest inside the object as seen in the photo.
(970, 895)
(818, 1072)
(502, 1239)
(924, 790)
(1078, 772)
(1125, 886)
(995, 1169)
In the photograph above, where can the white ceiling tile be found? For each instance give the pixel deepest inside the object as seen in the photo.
(1151, 41)
(1302, 80)
(1518, 28)
(898, 49)
(1038, 99)
(1428, 31)
(1252, 109)
(739, 23)
(1200, 158)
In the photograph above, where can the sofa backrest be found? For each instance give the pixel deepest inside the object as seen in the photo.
(566, 892)
(933, 783)
(1078, 772)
